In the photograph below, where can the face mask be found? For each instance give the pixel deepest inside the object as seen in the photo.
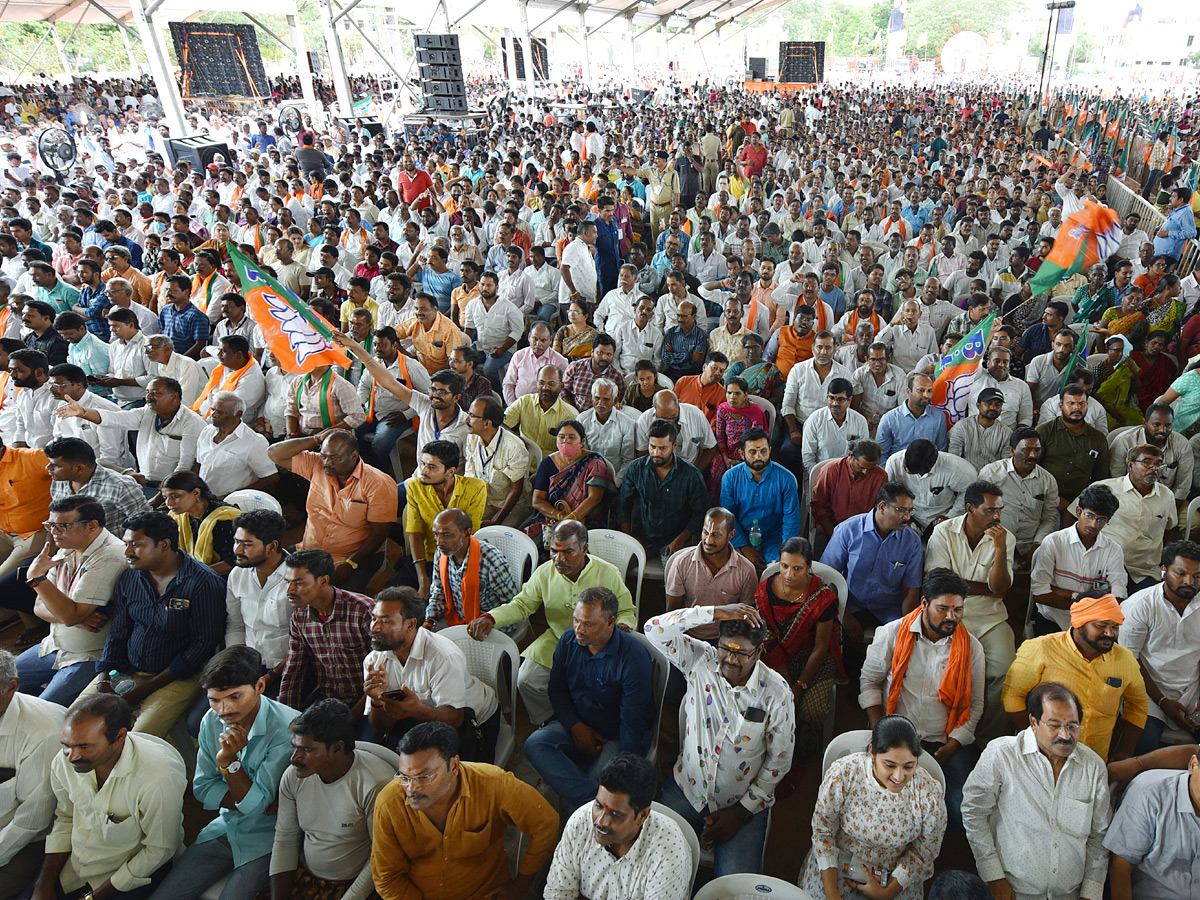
(570, 451)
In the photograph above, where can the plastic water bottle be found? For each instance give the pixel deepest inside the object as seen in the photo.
(755, 536)
(121, 684)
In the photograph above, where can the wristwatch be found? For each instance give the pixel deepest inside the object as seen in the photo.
(37, 579)
(232, 769)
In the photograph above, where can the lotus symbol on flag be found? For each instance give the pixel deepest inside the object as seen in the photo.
(301, 337)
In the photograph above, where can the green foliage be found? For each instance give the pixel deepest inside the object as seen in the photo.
(815, 21)
(941, 18)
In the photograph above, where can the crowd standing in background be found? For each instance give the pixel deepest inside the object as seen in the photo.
(710, 324)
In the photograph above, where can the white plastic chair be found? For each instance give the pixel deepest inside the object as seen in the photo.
(1117, 432)
(378, 750)
(1191, 512)
(522, 555)
(661, 674)
(664, 383)
(768, 410)
(485, 660)
(856, 741)
(751, 887)
(689, 835)
(619, 549)
(535, 455)
(811, 530)
(246, 500)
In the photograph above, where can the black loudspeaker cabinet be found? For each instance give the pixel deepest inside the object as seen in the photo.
(314, 62)
(758, 68)
(437, 42)
(437, 103)
(355, 124)
(199, 150)
(439, 58)
(802, 62)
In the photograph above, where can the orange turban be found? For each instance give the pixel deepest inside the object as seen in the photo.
(1096, 609)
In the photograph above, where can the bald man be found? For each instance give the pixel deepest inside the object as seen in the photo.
(697, 444)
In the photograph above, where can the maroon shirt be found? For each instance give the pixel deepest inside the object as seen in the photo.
(838, 495)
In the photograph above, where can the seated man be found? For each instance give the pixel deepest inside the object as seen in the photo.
(74, 472)
(1154, 836)
(471, 574)
(167, 432)
(168, 617)
(1161, 631)
(500, 459)
(880, 558)
(1076, 560)
(244, 748)
(521, 376)
(663, 498)
(554, 587)
(69, 584)
(829, 431)
(320, 400)
(437, 487)
(616, 847)
(609, 432)
(713, 573)
(30, 732)
(350, 505)
(535, 415)
(1027, 839)
(764, 500)
(705, 391)
(1157, 429)
(1088, 658)
(415, 675)
(389, 417)
(914, 418)
(936, 478)
(725, 795)
(982, 438)
(582, 373)
(977, 547)
(256, 602)
(329, 634)
(239, 373)
(141, 804)
(69, 382)
(232, 456)
(695, 443)
(166, 362)
(436, 802)
(600, 689)
(1030, 494)
(1146, 514)
(944, 696)
(845, 487)
(322, 842)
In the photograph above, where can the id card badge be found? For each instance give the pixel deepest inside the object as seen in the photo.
(178, 604)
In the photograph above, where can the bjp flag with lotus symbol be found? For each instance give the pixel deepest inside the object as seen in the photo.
(955, 372)
(300, 339)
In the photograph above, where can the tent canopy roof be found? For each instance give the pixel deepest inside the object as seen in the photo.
(69, 11)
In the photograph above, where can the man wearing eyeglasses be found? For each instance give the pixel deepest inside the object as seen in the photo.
(740, 740)
(1036, 806)
(437, 803)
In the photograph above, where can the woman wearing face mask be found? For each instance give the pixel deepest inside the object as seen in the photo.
(571, 483)
(883, 814)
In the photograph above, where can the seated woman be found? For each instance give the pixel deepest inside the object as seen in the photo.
(571, 483)
(468, 362)
(574, 340)
(1116, 382)
(803, 641)
(762, 378)
(1186, 390)
(735, 416)
(1128, 319)
(1157, 368)
(1164, 310)
(878, 814)
(205, 521)
(640, 390)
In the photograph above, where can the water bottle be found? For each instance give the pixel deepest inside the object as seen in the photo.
(755, 536)
(121, 684)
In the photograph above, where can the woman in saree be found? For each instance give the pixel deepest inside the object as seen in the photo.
(205, 521)
(571, 483)
(762, 378)
(1128, 319)
(1164, 310)
(1116, 382)
(574, 340)
(803, 641)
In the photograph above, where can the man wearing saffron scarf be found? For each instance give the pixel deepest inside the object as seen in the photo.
(471, 574)
(927, 668)
(238, 373)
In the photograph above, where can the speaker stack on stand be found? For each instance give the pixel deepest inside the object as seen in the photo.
(441, 73)
(801, 62)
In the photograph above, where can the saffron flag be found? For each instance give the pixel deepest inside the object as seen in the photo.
(955, 372)
(296, 336)
(1084, 238)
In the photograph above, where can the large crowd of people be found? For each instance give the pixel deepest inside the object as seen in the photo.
(711, 321)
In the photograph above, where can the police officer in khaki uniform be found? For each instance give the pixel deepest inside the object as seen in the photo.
(662, 192)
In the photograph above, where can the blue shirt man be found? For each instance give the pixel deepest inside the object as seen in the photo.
(245, 747)
(184, 326)
(1155, 835)
(1179, 226)
(912, 419)
(608, 246)
(762, 492)
(880, 556)
(600, 688)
